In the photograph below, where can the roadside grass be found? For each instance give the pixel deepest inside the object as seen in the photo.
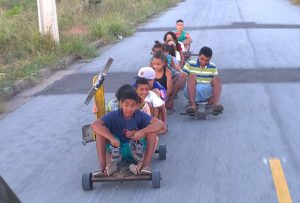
(23, 51)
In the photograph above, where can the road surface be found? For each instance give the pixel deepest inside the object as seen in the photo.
(256, 47)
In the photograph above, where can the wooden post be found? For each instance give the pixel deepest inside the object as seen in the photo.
(48, 18)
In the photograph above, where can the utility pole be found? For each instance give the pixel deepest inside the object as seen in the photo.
(48, 18)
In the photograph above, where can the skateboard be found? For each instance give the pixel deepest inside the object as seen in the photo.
(203, 112)
(97, 91)
(123, 174)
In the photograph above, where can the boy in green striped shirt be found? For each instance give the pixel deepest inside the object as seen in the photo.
(203, 83)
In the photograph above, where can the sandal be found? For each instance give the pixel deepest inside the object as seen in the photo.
(218, 108)
(133, 169)
(101, 173)
(146, 170)
(190, 109)
(110, 169)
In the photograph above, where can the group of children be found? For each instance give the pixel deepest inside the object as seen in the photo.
(138, 114)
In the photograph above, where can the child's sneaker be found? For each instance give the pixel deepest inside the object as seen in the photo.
(116, 156)
(111, 168)
(137, 150)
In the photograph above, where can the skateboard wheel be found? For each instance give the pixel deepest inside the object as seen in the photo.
(86, 181)
(201, 116)
(83, 142)
(162, 152)
(156, 178)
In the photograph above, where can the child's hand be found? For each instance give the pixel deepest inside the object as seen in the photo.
(138, 135)
(171, 43)
(95, 109)
(129, 133)
(114, 142)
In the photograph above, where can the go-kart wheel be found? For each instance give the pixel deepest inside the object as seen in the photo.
(162, 152)
(156, 178)
(87, 183)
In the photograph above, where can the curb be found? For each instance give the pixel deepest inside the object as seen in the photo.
(44, 73)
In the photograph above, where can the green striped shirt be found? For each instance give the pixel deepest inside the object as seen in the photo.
(204, 75)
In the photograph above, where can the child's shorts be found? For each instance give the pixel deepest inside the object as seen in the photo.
(174, 72)
(125, 148)
(203, 92)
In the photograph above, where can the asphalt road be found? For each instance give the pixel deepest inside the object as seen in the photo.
(256, 47)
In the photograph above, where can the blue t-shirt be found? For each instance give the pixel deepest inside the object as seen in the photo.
(117, 124)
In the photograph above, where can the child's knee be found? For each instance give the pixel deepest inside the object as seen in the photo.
(151, 138)
(216, 80)
(100, 138)
(192, 77)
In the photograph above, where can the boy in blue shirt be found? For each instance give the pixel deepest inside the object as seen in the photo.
(126, 133)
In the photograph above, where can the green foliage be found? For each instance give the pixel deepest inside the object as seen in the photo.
(23, 51)
(14, 11)
(110, 28)
(116, 28)
(10, 4)
(98, 29)
(78, 45)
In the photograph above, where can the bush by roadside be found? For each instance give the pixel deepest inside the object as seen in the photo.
(23, 51)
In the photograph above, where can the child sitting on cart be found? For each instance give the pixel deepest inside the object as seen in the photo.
(183, 36)
(201, 82)
(126, 133)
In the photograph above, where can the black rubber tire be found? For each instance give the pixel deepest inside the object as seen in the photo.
(200, 116)
(156, 178)
(162, 152)
(86, 181)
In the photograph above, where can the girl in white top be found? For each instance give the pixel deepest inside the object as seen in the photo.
(149, 99)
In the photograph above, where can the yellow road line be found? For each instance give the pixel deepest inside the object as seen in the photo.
(281, 186)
